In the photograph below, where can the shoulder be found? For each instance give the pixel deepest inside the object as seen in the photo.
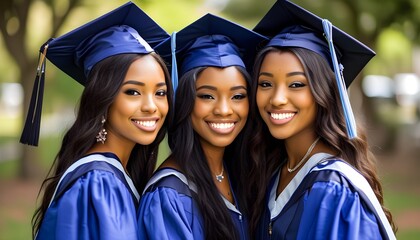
(167, 195)
(339, 171)
(169, 178)
(96, 172)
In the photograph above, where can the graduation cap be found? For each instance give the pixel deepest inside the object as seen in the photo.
(126, 29)
(209, 41)
(289, 25)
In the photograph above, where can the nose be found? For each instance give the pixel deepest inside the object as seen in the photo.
(223, 107)
(148, 105)
(279, 97)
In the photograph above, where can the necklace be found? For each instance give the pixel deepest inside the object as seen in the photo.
(304, 157)
(219, 177)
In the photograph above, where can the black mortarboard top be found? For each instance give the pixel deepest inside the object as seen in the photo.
(289, 25)
(210, 41)
(282, 19)
(126, 29)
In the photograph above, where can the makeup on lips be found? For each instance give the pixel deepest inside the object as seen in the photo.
(222, 127)
(148, 125)
(281, 117)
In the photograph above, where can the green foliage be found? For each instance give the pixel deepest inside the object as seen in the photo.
(173, 15)
(16, 228)
(408, 235)
(8, 169)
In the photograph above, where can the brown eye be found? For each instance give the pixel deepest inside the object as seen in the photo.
(132, 92)
(297, 85)
(161, 93)
(239, 96)
(205, 96)
(265, 84)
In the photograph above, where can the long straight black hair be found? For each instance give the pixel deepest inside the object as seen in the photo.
(103, 85)
(188, 154)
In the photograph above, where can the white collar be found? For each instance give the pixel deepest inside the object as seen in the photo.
(276, 205)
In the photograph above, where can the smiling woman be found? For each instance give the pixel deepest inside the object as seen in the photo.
(196, 193)
(109, 153)
(221, 106)
(139, 109)
(317, 177)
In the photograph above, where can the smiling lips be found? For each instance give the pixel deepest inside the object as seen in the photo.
(281, 118)
(149, 125)
(224, 128)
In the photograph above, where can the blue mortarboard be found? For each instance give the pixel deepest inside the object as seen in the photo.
(289, 25)
(210, 41)
(126, 29)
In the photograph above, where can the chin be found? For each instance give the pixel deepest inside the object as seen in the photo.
(277, 135)
(146, 140)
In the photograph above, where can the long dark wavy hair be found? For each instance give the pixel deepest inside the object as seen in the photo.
(102, 87)
(188, 154)
(329, 125)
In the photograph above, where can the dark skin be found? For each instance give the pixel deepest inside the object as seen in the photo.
(286, 177)
(223, 187)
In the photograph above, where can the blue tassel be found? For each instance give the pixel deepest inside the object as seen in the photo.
(174, 69)
(30, 133)
(338, 70)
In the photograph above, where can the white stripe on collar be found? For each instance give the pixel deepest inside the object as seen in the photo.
(362, 184)
(276, 205)
(164, 172)
(100, 158)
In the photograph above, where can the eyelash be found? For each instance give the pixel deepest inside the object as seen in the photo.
(132, 92)
(293, 85)
(239, 96)
(297, 85)
(264, 84)
(160, 93)
(205, 96)
(235, 97)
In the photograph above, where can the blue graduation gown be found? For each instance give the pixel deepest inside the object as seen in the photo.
(327, 199)
(95, 199)
(168, 211)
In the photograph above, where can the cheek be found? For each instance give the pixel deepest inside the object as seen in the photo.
(201, 108)
(306, 100)
(163, 106)
(195, 119)
(243, 109)
(121, 107)
(262, 98)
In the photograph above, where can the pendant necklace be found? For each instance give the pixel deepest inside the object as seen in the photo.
(219, 177)
(302, 160)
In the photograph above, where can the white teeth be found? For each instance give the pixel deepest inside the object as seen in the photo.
(146, 123)
(222, 125)
(281, 116)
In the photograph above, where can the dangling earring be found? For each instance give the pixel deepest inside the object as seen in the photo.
(101, 137)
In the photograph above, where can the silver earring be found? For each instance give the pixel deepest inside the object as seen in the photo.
(101, 137)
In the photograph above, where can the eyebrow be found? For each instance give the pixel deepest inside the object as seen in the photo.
(142, 83)
(291, 74)
(237, 88)
(265, 74)
(215, 88)
(207, 87)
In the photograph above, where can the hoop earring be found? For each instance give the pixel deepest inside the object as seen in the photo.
(101, 137)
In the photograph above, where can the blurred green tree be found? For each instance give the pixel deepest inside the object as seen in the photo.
(14, 31)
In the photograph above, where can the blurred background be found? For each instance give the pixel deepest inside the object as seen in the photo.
(385, 97)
